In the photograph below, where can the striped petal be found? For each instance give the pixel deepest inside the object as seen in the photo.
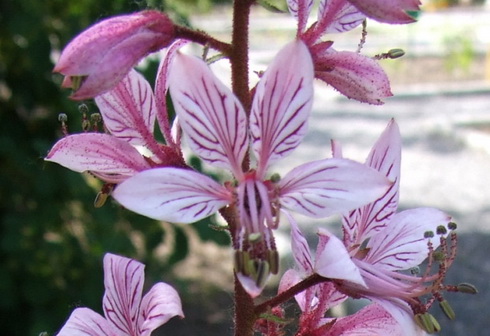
(172, 194)
(333, 261)
(300, 248)
(129, 110)
(402, 244)
(161, 89)
(282, 104)
(159, 305)
(123, 282)
(86, 322)
(337, 16)
(385, 157)
(212, 118)
(106, 156)
(322, 188)
(300, 10)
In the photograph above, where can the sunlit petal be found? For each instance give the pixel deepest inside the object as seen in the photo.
(301, 250)
(172, 194)
(282, 105)
(322, 188)
(337, 16)
(385, 157)
(333, 261)
(212, 118)
(129, 110)
(402, 244)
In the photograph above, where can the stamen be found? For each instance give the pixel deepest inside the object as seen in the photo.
(63, 118)
(95, 118)
(363, 36)
(83, 109)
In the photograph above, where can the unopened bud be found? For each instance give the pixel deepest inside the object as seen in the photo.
(97, 59)
(396, 53)
(467, 288)
(447, 309)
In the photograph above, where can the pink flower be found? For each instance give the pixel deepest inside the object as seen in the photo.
(97, 59)
(218, 130)
(379, 244)
(126, 312)
(317, 300)
(352, 74)
(129, 111)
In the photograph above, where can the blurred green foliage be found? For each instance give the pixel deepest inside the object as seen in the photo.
(52, 239)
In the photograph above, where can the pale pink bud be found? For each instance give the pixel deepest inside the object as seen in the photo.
(97, 59)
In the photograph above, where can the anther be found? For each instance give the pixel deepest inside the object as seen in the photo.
(63, 118)
(83, 108)
(415, 270)
(441, 230)
(467, 288)
(428, 234)
(447, 309)
(395, 53)
(452, 226)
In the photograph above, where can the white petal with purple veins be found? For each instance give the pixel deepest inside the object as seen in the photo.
(129, 110)
(333, 261)
(172, 194)
(402, 244)
(322, 188)
(123, 282)
(385, 157)
(212, 118)
(338, 16)
(159, 305)
(282, 105)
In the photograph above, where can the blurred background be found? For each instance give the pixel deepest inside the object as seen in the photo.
(52, 239)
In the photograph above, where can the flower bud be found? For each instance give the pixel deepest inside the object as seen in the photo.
(97, 59)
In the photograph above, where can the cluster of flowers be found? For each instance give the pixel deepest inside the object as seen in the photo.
(379, 244)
